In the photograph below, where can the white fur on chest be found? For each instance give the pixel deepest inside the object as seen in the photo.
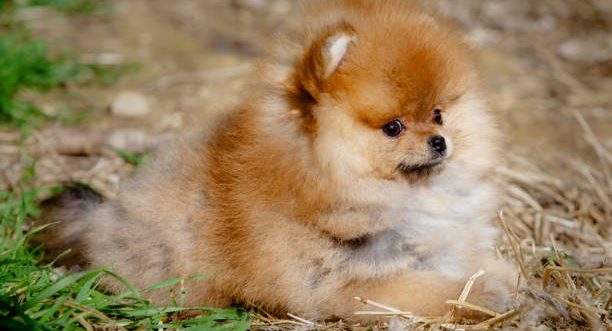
(434, 227)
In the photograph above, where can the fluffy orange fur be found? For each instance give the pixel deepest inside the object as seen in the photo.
(304, 197)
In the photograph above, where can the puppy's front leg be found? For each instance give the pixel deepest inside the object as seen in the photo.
(421, 292)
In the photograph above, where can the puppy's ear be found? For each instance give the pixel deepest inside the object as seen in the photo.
(323, 57)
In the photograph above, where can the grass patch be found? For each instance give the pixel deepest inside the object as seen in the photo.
(68, 6)
(28, 67)
(71, 7)
(135, 159)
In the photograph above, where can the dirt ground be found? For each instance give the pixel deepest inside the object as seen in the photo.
(543, 62)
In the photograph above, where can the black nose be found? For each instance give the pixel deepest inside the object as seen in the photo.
(437, 143)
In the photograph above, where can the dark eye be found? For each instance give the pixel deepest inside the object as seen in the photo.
(437, 116)
(393, 128)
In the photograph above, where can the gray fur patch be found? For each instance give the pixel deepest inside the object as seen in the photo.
(386, 251)
(319, 277)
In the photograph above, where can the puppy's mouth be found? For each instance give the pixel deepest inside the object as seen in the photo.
(422, 168)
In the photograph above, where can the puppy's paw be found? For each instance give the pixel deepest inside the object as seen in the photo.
(493, 293)
(496, 290)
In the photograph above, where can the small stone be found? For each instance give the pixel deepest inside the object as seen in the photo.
(130, 104)
(131, 140)
(251, 4)
(595, 48)
(109, 59)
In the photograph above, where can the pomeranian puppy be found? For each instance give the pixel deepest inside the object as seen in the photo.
(361, 166)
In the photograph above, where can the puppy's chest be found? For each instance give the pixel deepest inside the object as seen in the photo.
(432, 231)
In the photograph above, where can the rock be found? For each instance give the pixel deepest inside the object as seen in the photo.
(130, 104)
(71, 141)
(588, 49)
(131, 140)
(136, 140)
(109, 59)
(251, 4)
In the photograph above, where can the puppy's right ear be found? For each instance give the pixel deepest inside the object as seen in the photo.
(323, 58)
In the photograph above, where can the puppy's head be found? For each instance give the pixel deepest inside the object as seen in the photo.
(387, 90)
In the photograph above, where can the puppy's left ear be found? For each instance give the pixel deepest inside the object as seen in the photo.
(323, 57)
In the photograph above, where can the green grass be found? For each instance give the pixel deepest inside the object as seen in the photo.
(134, 159)
(28, 65)
(35, 296)
(66, 6)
